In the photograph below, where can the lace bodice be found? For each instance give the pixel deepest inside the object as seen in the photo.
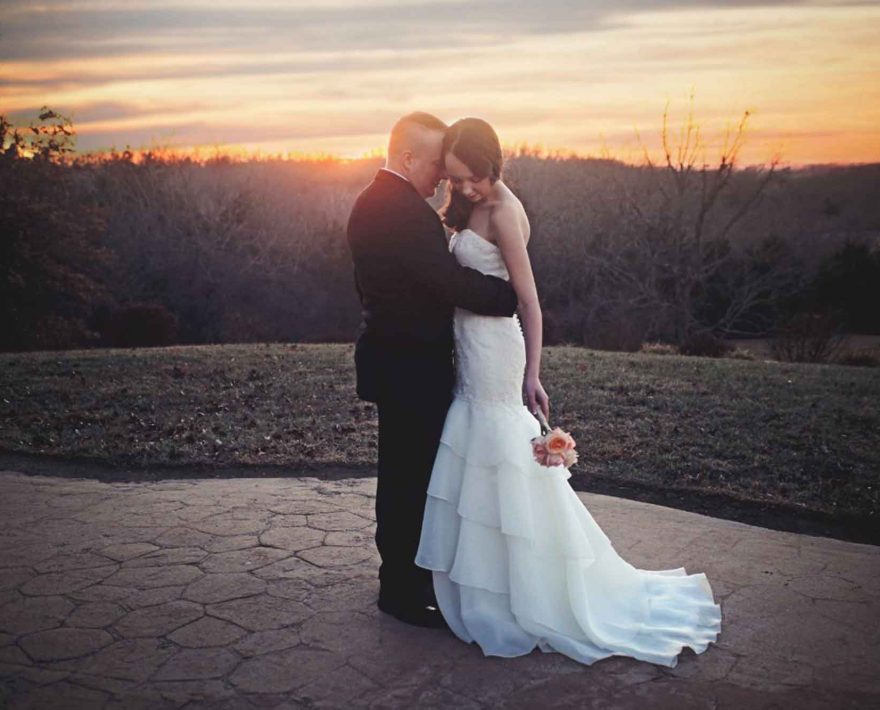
(470, 249)
(490, 356)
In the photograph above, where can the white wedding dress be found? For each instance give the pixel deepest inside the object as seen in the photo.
(518, 561)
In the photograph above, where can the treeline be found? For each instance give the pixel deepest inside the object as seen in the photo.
(164, 249)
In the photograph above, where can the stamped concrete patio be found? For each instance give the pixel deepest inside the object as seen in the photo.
(260, 593)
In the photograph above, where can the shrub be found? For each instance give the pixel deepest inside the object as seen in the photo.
(616, 330)
(859, 358)
(741, 354)
(704, 344)
(807, 337)
(849, 281)
(141, 325)
(658, 349)
(55, 332)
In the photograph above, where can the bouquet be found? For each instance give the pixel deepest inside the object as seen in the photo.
(554, 447)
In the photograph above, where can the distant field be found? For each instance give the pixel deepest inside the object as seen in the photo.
(852, 343)
(806, 436)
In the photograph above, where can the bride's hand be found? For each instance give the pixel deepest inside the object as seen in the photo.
(537, 397)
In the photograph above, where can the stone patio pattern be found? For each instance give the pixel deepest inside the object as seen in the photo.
(260, 593)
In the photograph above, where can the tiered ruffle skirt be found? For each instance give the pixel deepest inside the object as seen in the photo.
(518, 561)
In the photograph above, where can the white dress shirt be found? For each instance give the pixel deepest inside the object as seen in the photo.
(394, 172)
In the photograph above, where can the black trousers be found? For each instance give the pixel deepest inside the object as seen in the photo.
(411, 418)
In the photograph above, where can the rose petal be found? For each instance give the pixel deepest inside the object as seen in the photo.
(557, 441)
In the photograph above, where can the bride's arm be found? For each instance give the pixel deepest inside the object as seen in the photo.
(508, 232)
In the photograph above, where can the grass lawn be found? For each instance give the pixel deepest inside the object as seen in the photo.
(806, 437)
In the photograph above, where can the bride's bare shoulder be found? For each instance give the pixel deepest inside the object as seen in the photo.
(508, 213)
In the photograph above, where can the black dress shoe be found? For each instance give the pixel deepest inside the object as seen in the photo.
(415, 614)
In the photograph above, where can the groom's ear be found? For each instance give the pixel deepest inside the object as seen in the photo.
(406, 159)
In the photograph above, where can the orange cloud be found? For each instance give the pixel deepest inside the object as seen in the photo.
(285, 76)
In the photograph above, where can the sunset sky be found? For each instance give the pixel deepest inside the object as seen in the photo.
(284, 76)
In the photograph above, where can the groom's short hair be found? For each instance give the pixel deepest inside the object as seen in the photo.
(401, 132)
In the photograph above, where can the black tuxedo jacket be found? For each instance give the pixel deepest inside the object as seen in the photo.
(409, 284)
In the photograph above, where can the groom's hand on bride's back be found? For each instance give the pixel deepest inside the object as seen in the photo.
(434, 267)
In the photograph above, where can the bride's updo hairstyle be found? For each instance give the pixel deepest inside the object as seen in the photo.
(475, 143)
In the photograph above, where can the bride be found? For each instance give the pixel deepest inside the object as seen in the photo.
(518, 562)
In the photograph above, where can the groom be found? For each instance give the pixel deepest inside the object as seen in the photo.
(409, 284)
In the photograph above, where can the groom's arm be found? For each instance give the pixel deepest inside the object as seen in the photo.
(433, 265)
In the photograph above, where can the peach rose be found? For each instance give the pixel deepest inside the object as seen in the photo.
(555, 460)
(559, 441)
(556, 448)
(539, 451)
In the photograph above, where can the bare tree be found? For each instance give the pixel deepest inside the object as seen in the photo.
(668, 236)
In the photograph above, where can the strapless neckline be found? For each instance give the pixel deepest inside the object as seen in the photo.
(457, 236)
